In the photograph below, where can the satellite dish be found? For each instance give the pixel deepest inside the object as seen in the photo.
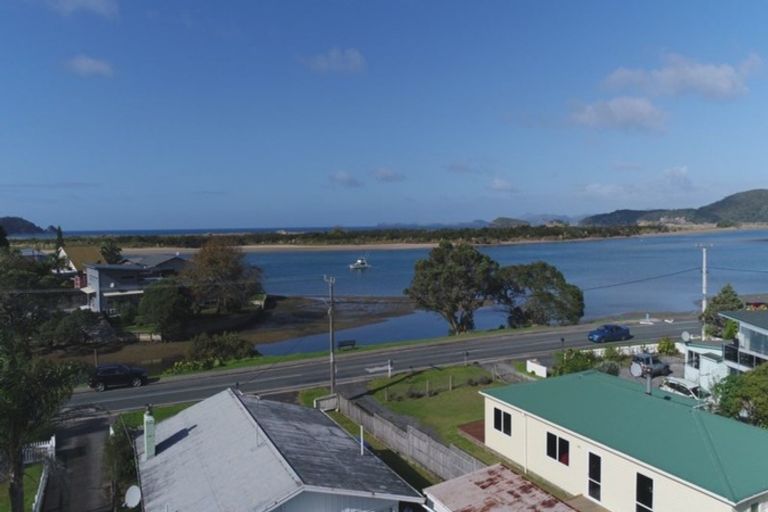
(133, 496)
(636, 370)
(686, 336)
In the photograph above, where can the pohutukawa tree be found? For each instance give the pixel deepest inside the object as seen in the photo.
(454, 281)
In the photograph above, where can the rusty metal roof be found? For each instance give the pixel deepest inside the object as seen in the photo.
(494, 489)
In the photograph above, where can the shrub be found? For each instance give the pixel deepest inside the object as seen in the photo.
(609, 367)
(572, 361)
(484, 380)
(224, 347)
(611, 353)
(415, 393)
(188, 365)
(666, 346)
(730, 330)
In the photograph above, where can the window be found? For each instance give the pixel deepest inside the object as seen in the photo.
(694, 359)
(502, 421)
(595, 476)
(644, 494)
(558, 448)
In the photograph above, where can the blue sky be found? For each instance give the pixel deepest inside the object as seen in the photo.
(118, 114)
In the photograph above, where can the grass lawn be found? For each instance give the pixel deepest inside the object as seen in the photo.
(135, 419)
(31, 481)
(446, 410)
(307, 396)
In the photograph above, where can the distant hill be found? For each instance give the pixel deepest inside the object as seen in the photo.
(507, 222)
(19, 226)
(745, 207)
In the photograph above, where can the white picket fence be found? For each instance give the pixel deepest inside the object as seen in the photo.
(40, 451)
(37, 504)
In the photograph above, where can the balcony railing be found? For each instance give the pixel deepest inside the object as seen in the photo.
(733, 354)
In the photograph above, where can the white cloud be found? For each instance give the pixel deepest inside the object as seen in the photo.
(344, 179)
(681, 75)
(106, 8)
(84, 65)
(388, 175)
(678, 178)
(348, 60)
(502, 185)
(625, 112)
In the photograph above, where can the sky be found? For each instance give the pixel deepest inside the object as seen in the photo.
(131, 114)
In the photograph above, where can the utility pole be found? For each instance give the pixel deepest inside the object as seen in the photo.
(703, 291)
(331, 280)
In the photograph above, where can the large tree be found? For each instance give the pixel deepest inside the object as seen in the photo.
(219, 276)
(538, 294)
(111, 252)
(744, 396)
(31, 392)
(166, 305)
(454, 281)
(3, 239)
(726, 300)
(59, 237)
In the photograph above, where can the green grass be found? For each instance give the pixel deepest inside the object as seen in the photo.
(135, 419)
(32, 476)
(407, 385)
(307, 396)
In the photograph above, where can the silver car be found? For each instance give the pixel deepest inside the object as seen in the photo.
(651, 362)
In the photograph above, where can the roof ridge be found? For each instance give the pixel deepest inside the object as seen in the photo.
(712, 450)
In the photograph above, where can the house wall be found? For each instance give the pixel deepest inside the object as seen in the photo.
(322, 502)
(709, 372)
(527, 446)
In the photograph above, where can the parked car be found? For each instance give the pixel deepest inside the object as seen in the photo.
(110, 375)
(609, 332)
(684, 388)
(650, 361)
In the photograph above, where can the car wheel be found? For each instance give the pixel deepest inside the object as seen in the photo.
(100, 387)
(136, 382)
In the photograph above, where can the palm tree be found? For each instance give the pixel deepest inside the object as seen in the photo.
(31, 392)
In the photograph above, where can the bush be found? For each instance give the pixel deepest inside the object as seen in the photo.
(666, 347)
(224, 347)
(572, 361)
(187, 366)
(730, 330)
(609, 367)
(611, 353)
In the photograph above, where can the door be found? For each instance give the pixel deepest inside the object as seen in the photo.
(595, 476)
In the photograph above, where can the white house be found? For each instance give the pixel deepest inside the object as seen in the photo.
(603, 437)
(236, 453)
(704, 363)
(750, 348)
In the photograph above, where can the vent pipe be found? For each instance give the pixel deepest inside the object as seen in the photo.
(149, 433)
(647, 382)
(362, 441)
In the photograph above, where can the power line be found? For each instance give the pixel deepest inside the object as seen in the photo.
(641, 280)
(731, 269)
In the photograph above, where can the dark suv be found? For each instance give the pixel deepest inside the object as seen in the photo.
(109, 375)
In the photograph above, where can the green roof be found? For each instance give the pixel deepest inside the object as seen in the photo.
(721, 455)
(758, 319)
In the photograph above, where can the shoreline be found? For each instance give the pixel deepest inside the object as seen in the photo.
(404, 246)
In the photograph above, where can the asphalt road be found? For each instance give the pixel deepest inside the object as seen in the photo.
(353, 366)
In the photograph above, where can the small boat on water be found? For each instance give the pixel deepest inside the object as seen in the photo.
(360, 264)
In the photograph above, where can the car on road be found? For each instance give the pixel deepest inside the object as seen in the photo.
(684, 388)
(113, 375)
(609, 332)
(651, 363)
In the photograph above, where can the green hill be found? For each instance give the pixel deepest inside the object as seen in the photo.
(19, 226)
(745, 207)
(507, 222)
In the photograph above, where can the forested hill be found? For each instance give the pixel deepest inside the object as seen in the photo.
(19, 226)
(745, 207)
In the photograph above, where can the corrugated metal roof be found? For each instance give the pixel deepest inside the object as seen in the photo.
(723, 456)
(81, 255)
(239, 454)
(323, 454)
(494, 489)
(756, 318)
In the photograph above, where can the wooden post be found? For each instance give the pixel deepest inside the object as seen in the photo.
(450, 383)
(427, 387)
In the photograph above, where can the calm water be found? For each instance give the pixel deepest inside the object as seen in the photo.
(595, 266)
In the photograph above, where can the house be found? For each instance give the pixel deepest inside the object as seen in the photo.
(165, 264)
(74, 260)
(236, 453)
(605, 438)
(704, 363)
(110, 284)
(492, 489)
(750, 348)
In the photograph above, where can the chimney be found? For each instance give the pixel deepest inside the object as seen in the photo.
(149, 433)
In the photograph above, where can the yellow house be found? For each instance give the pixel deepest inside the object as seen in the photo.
(603, 437)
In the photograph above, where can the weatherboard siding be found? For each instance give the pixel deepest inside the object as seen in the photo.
(529, 437)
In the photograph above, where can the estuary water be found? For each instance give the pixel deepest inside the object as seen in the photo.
(643, 274)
